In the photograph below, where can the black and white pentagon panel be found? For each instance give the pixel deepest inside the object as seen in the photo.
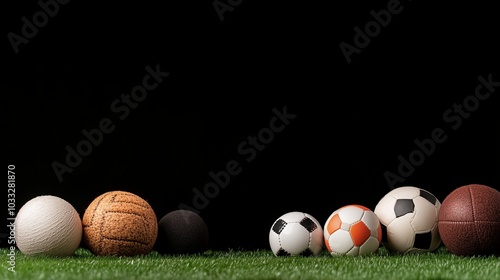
(423, 241)
(428, 196)
(403, 207)
(279, 225)
(308, 224)
(405, 203)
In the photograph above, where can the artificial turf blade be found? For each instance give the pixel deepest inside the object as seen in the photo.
(261, 264)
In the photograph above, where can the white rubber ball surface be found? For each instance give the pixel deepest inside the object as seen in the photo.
(48, 225)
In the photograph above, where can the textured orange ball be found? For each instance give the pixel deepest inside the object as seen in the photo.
(119, 223)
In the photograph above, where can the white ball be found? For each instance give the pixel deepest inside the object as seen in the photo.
(409, 218)
(48, 225)
(296, 233)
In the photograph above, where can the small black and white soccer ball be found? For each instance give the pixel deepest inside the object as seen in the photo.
(296, 233)
(409, 218)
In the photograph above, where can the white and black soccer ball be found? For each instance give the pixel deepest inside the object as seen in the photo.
(296, 233)
(409, 218)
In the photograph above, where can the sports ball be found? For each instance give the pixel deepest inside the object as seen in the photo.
(182, 232)
(352, 230)
(469, 221)
(48, 225)
(409, 218)
(119, 223)
(296, 233)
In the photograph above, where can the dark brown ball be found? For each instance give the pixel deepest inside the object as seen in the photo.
(182, 232)
(469, 221)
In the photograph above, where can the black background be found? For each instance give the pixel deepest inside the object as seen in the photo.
(353, 119)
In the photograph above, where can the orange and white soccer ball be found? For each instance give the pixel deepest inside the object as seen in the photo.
(352, 230)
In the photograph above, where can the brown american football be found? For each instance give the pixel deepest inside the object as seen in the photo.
(469, 221)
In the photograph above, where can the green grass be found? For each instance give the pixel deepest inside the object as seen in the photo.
(253, 265)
